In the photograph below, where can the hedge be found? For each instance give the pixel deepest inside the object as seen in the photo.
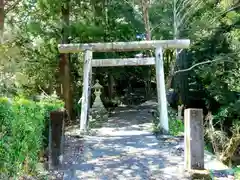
(23, 133)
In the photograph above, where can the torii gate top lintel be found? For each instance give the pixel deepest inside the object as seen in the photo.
(124, 46)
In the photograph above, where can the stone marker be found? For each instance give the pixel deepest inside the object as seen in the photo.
(194, 139)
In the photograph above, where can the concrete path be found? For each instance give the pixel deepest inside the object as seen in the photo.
(123, 149)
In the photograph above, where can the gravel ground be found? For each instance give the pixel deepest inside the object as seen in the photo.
(123, 149)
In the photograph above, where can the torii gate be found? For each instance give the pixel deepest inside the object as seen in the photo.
(89, 62)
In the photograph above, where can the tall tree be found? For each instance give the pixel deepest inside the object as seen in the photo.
(6, 7)
(1, 20)
(64, 66)
(182, 11)
(145, 12)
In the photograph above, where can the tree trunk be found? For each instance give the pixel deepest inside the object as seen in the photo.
(106, 39)
(1, 20)
(110, 86)
(64, 62)
(145, 8)
(175, 36)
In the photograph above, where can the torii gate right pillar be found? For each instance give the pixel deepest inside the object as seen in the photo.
(161, 90)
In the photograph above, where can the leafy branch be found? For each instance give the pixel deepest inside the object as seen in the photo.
(10, 7)
(201, 63)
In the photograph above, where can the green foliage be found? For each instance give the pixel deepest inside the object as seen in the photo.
(23, 124)
(176, 127)
(29, 59)
(213, 86)
(237, 172)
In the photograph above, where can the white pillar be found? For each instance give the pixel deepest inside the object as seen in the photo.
(161, 91)
(86, 92)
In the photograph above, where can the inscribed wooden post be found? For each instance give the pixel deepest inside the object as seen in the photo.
(161, 91)
(194, 139)
(86, 89)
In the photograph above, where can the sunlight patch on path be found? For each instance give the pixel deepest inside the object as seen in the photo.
(123, 149)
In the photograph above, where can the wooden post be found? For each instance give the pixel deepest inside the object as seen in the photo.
(180, 109)
(194, 139)
(161, 91)
(86, 91)
(56, 133)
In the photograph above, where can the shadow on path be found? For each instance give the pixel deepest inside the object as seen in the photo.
(124, 148)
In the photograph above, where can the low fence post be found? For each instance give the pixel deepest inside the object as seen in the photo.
(194, 139)
(56, 137)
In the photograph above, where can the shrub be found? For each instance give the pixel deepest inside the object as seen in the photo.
(176, 127)
(24, 130)
(237, 172)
